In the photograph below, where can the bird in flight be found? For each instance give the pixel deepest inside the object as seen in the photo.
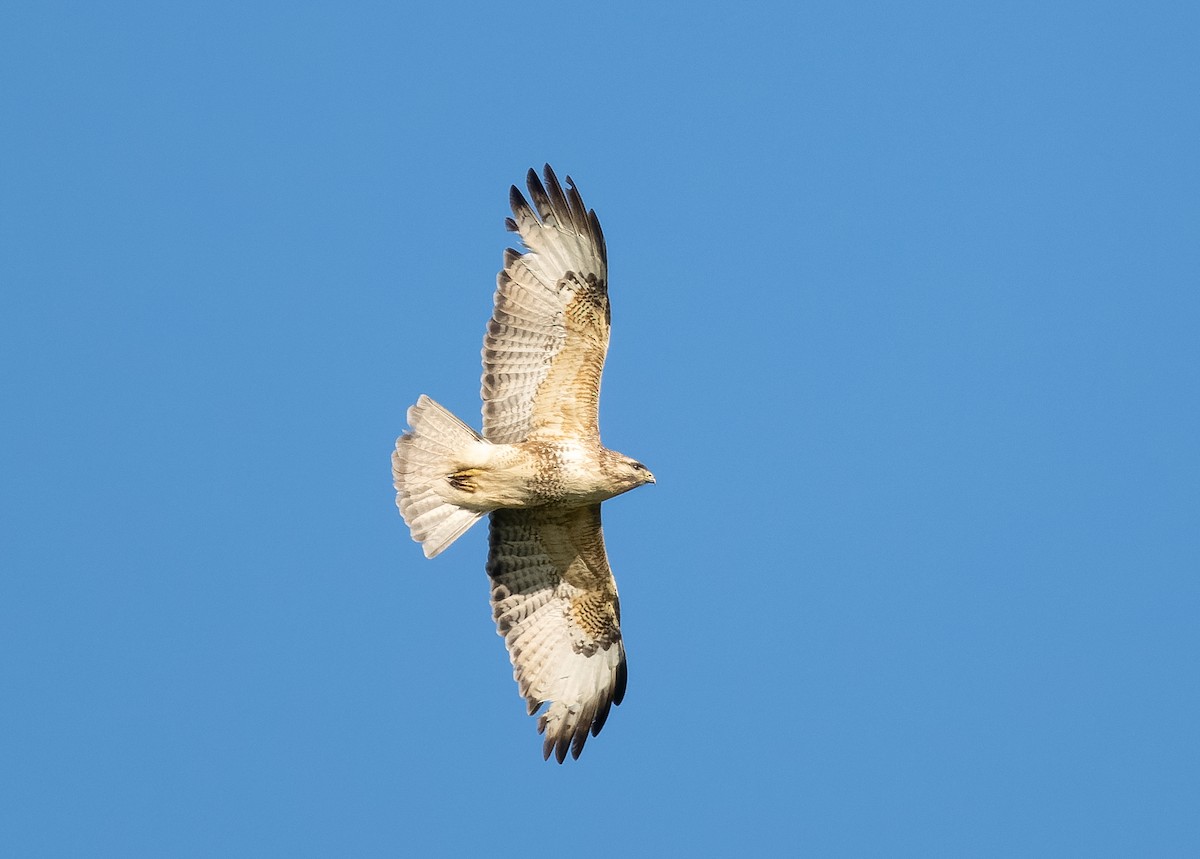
(538, 471)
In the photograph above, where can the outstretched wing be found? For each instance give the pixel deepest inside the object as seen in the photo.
(545, 345)
(555, 604)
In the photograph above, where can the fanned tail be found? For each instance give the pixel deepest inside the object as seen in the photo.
(424, 458)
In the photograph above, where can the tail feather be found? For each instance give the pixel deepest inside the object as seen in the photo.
(424, 457)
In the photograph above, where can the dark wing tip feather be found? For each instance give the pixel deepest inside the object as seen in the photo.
(597, 235)
(622, 681)
(601, 716)
(571, 205)
(618, 695)
(579, 212)
(518, 203)
(557, 745)
(586, 720)
(537, 193)
(558, 200)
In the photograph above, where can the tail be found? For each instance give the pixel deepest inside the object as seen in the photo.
(425, 456)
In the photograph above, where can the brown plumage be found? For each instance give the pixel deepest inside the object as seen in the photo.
(539, 468)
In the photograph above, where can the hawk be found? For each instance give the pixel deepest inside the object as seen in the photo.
(538, 471)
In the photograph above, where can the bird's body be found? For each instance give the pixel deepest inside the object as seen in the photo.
(539, 469)
(564, 473)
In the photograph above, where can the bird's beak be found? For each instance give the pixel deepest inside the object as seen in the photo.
(650, 478)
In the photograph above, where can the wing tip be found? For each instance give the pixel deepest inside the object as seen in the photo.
(520, 208)
(537, 193)
(565, 730)
(551, 205)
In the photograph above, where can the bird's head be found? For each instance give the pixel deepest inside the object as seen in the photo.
(636, 473)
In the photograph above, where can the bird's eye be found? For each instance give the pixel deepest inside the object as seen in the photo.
(639, 466)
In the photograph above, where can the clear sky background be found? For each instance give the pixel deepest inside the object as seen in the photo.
(905, 322)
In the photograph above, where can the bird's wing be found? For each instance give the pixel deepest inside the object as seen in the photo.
(545, 345)
(555, 603)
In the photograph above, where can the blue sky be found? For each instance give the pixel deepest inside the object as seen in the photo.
(905, 323)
